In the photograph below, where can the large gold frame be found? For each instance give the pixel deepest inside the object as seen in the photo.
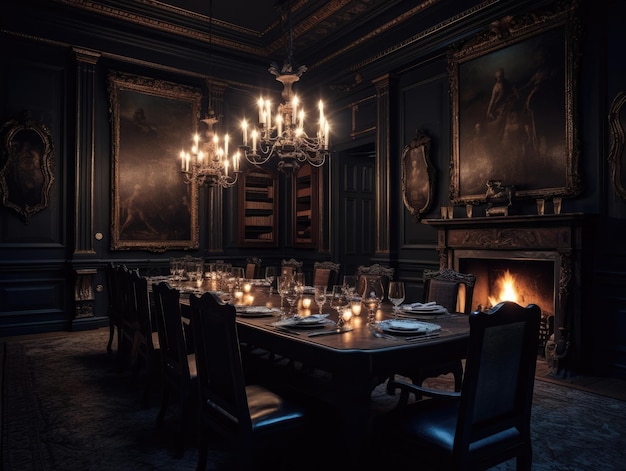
(151, 121)
(543, 160)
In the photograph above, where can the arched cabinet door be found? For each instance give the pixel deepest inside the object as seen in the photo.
(305, 217)
(418, 175)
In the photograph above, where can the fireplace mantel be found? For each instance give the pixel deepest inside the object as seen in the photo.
(558, 234)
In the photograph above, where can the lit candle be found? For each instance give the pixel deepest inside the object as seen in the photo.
(238, 296)
(306, 303)
(261, 116)
(226, 163)
(236, 161)
(321, 108)
(355, 307)
(226, 139)
(268, 113)
(346, 315)
(182, 160)
(279, 125)
(244, 127)
(301, 119)
(325, 135)
(247, 287)
(254, 134)
(249, 299)
(200, 156)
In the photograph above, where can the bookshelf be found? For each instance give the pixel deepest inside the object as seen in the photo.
(258, 210)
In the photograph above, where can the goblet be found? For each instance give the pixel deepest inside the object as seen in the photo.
(320, 297)
(339, 301)
(396, 295)
(270, 276)
(372, 296)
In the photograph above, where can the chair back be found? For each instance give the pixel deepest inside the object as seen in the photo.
(290, 267)
(499, 378)
(450, 289)
(325, 273)
(175, 364)
(385, 273)
(218, 359)
(141, 299)
(253, 268)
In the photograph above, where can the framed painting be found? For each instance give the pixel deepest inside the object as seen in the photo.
(152, 120)
(513, 90)
(26, 174)
(418, 175)
(617, 122)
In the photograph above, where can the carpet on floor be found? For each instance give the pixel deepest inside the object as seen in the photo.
(66, 406)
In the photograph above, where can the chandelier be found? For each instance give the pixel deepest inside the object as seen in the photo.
(207, 163)
(282, 133)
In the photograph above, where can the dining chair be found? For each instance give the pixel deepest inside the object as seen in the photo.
(452, 290)
(325, 273)
(145, 346)
(290, 267)
(128, 322)
(251, 417)
(178, 366)
(488, 421)
(253, 268)
(386, 274)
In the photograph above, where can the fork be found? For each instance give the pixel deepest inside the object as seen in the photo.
(378, 333)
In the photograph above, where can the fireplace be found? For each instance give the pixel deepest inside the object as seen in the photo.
(540, 256)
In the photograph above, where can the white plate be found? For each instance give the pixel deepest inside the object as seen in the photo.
(255, 311)
(308, 322)
(404, 326)
(436, 309)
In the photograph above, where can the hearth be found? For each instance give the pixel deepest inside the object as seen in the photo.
(540, 257)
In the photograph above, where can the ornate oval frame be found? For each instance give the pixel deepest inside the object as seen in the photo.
(26, 175)
(617, 122)
(418, 175)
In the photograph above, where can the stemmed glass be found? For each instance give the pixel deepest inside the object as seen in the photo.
(372, 296)
(282, 284)
(396, 295)
(292, 293)
(339, 301)
(270, 276)
(349, 285)
(320, 297)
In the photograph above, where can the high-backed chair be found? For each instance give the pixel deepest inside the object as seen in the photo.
(250, 416)
(386, 274)
(253, 268)
(488, 421)
(178, 367)
(145, 346)
(290, 267)
(116, 305)
(325, 273)
(451, 290)
(128, 322)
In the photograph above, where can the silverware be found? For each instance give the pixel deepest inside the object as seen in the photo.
(417, 338)
(329, 332)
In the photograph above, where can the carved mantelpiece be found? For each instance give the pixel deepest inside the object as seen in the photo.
(558, 237)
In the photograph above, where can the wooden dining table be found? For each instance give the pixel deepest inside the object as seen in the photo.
(356, 361)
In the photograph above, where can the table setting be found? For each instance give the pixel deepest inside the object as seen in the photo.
(429, 310)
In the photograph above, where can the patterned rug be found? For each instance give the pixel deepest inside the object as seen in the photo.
(67, 407)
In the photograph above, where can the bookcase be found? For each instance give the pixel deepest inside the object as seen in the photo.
(305, 206)
(258, 209)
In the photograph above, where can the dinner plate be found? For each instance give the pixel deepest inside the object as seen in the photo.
(408, 327)
(255, 311)
(309, 322)
(426, 310)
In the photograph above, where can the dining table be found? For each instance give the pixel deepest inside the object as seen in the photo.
(356, 359)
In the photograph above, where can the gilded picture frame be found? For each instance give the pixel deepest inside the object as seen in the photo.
(418, 175)
(151, 121)
(26, 174)
(513, 91)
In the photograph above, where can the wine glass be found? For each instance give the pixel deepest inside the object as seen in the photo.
(282, 283)
(396, 295)
(339, 302)
(270, 276)
(320, 297)
(372, 295)
(292, 293)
